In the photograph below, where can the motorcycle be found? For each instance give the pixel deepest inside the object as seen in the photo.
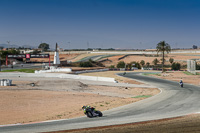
(181, 84)
(92, 112)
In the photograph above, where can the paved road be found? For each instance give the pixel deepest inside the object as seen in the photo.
(95, 57)
(173, 101)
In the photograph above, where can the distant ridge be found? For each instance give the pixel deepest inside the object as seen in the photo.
(15, 46)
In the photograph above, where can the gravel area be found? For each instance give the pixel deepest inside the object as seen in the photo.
(55, 98)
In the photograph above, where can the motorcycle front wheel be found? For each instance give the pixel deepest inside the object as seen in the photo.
(89, 114)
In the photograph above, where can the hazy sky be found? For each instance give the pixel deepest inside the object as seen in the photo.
(100, 23)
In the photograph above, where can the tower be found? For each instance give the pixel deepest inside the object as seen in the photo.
(56, 60)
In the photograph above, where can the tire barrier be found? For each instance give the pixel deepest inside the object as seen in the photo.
(5, 82)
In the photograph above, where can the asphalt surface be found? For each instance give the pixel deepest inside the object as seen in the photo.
(95, 58)
(171, 102)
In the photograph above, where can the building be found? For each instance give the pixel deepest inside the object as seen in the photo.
(194, 47)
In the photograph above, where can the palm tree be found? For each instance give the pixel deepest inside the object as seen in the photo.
(163, 47)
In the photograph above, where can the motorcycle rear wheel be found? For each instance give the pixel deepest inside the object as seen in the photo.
(100, 114)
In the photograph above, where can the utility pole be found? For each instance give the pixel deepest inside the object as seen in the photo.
(8, 44)
(69, 47)
(88, 44)
(0, 62)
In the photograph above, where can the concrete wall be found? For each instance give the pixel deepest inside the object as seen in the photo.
(93, 78)
(54, 70)
(57, 75)
(87, 71)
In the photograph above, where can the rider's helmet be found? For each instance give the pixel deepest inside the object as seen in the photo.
(83, 107)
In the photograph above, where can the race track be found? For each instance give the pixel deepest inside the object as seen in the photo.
(171, 102)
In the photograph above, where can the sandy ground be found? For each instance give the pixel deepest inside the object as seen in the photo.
(179, 75)
(60, 99)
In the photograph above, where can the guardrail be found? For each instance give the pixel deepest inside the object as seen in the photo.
(93, 78)
(87, 71)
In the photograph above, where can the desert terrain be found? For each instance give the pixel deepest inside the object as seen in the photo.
(53, 98)
(113, 59)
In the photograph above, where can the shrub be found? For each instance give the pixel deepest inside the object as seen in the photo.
(148, 64)
(197, 66)
(134, 64)
(112, 66)
(142, 62)
(176, 66)
(137, 64)
(99, 64)
(121, 64)
(86, 64)
(155, 61)
(171, 60)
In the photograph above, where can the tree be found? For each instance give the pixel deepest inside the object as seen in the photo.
(148, 64)
(13, 51)
(162, 60)
(142, 62)
(112, 66)
(171, 60)
(155, 61)
(44, 46)
(121, 64)
(134, 64)
(163, 47)
(3, 54)
(35, 52)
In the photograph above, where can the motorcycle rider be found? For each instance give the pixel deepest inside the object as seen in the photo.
(181, 83)
(85, 108)
(88, 107)
(91, 112)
